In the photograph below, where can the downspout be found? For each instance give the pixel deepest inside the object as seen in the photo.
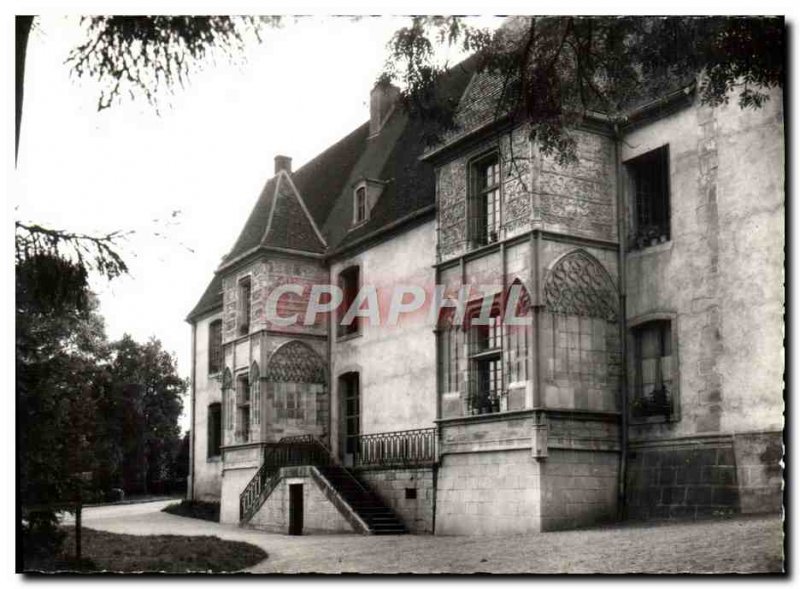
(536, 244)
(621, 234)
(191, 412)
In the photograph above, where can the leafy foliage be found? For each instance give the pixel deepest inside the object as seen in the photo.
(91, 414)
(141, 55)
(553, 71)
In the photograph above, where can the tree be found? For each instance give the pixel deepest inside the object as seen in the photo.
(138, 56)
(148, 393)
(555, 70)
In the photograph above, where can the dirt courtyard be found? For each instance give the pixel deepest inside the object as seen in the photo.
(743, 545)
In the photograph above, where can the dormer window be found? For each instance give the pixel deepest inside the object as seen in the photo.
(360, 205)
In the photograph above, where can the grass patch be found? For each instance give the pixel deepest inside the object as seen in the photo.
(196, 509)
(124, 553)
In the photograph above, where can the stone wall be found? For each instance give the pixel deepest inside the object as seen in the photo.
(580, 198)
(396, 363)
(721, 274)
(206, 484)
(452, 181)
(488, 493)
(527, 471)
(392, 486)
(706, 476)
(234, 480)
(319, 514)
(579, 488)
(267, 273)
(683, 479)
(759, 471)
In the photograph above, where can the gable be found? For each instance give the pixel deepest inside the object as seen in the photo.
(290, 224)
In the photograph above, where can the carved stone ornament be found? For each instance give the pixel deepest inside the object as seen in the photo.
(579, 285)
(295, 362)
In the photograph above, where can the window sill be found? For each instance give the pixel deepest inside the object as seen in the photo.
(215, 458)
(650, 249)
(348, 336)
(490, 354)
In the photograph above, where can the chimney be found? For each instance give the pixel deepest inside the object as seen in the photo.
(381, 101)
(283, 162)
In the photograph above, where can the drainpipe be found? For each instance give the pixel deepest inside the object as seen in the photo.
(621, 233)
(536, 245)
(191, 412)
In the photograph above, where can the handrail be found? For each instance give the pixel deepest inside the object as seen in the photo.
(402, 448)
(288, 451)
(408, 447)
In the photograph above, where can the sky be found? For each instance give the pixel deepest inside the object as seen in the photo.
(184, 178)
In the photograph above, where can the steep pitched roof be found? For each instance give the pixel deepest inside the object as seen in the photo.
(290, 224)
(211, 299)
(325, 185)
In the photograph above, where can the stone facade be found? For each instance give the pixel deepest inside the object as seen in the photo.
(551, 451)
(719, 280)
(206, 481)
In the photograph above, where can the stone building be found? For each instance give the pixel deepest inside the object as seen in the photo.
(645, 378)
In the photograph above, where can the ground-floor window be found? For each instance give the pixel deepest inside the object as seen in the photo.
(654, 390)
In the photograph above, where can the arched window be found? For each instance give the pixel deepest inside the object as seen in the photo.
(581, 337)
(518, 336)
(296, 377)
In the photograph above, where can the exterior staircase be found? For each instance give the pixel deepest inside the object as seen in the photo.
(360, 505)
(369, 507)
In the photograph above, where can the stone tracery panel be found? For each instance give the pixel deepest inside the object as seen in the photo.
(295, 362)
(579, 285)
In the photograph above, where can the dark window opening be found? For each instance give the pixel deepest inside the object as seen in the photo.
(649, 175)
(244, 306)
(654, 369)
(349, 384)
(411, 493)
(215, 347)
(485, 205)
(361, 204)
(349, 282)
(214, 430)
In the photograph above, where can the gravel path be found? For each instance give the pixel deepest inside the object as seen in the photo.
(746, 545)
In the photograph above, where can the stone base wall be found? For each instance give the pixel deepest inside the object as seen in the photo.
(233, 483)
(579, 488)
(484, 493)
(391, 485)
(688, 478)
(759, 471)
(319, 514)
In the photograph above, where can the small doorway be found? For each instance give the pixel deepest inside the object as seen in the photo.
(351, 416)
(296, 510)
